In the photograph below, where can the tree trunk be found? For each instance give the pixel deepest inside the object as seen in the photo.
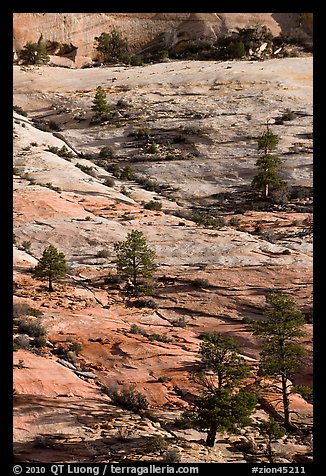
(134, 278)
(286, 403)
(269, 451)
(50, 283)
(210, 440)
(266, 190)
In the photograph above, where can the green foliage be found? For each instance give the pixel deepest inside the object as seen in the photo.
(220, 354)
(221, 405)
(163, 54)
(34, 54)
(134, 257)
(51, 265)
(236, 49)
(279, 331)
(128, 398)
(153, 148)
(221, 409)
(26, 245)
(305, 392)
(267, 141)
(268, 177)
(100, 106)
(156, 444)
(271, 430)
(112, 46)
(127, 173)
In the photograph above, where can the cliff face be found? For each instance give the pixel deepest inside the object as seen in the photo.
(79, 29)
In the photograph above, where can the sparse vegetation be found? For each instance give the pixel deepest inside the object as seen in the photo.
(201, 283)
(128, 398)
(106, 152)
(46, 126)
(153, 205)
(20, 111)
(31, 328)
(62, 152)
(103, 254)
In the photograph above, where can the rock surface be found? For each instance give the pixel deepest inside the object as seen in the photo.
(59, 203)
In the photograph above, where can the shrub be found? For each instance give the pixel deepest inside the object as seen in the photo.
(163, 379)
(153, 148)
(134, 329)
(32, 311)
(32, 329)
(200, 283)
(142, 133)
(234, 221)
(172, 456)
(159, 338)
(145, 303)
(127, 173)
(46, 126)
(20, 111)
(34, 54)
(125, 191)
(26, 245)
(128, 398)
(39, 341)
(63, 152)
(113, 279)
(153, 205)
(236, 50)
(52, 187)
(156, 443)
(86, 169)
(109, 182)
(103, 254)
(75, 347)
(163, 54)
(20, 309)
(21, 342)
(136, 61)
(180, 322)
(106, 152)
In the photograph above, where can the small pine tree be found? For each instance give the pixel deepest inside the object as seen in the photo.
(268, 165)
(34, 54)
(51, 265)
(134, 257)
(271, 431)
(100, 106)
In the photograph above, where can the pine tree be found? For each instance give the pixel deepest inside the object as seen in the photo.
(34, 54)
(271, 430)
(268, 165)
(280, 355)
(134, 257)
(100, 106)
(222, 403)
(112, 46)
(51, 265)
